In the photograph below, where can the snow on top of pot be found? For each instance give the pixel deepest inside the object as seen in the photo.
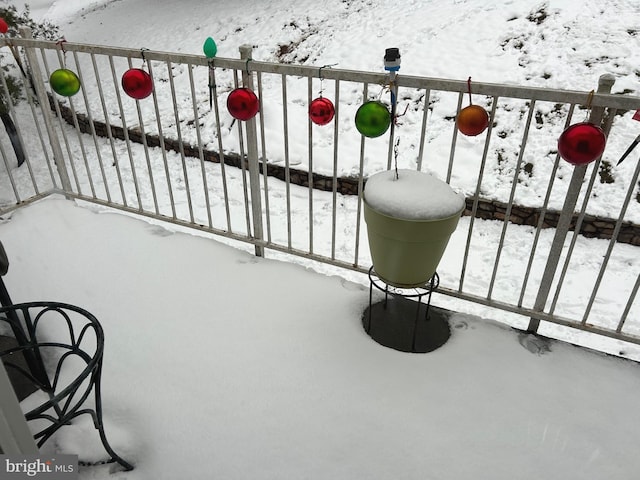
(413, 196)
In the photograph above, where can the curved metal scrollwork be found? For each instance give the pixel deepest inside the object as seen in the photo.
(62, 346)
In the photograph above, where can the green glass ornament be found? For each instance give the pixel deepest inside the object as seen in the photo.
(373, 118)
(64, 82)
(210, 48)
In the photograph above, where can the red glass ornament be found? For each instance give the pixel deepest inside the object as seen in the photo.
(4, 28)
(243, 104)
(321, 111)
(581, 143)
(137, 83)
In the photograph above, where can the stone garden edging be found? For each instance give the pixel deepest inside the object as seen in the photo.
(592, 226)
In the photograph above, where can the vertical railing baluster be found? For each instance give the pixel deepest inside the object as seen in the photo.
(43, 100)
(627, 307)
(243, 167)
(287, 171)
(125, 132)
(578, 225)
(12, 181)
(107, 123)
(310, 163)
(265, 163)
(543, 212)
(37, 121)
(476, 196)
(221, 156)
(196, 123)
(575, 236)
(145, 148)
(605, 84)
(334, 188)
(614, 237)
(76, 125)
(365, 95)
(92, 129)
(514, 184)
(163, 148)
(61, 124)
(454, 141)
(176, 117)
(31, 94)
(423, 128)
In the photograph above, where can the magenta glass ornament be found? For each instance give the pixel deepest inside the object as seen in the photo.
(137, 83)
(243, 104)
(582, 143)
(321, 111)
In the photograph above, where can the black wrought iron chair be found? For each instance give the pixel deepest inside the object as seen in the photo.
(58, 348)
(68, 369)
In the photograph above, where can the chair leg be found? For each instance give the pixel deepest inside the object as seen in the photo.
(97, 421)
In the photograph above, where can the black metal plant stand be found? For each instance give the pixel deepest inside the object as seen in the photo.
(67, 368)
(400, 322)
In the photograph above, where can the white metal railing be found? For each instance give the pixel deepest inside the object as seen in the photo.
(116, 166)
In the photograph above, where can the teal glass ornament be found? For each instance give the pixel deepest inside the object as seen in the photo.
(210, 48)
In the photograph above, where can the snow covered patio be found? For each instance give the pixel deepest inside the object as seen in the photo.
(219, 364)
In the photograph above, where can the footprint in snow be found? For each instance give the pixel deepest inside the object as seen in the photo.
(460, 325)
(351, 285)
(535, 344)
(247, 260)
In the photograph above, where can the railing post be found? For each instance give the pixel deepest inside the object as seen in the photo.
(605, 83)
(252, 157)
(43, 100)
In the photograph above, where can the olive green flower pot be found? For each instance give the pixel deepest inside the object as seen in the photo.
(406, 252)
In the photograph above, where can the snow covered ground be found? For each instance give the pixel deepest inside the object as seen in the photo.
(314, 397)
(219, 364)
(556, 44)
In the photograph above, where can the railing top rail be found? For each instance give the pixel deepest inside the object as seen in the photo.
(625, 102)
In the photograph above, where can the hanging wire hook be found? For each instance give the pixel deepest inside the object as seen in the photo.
(321, 77)
(212, 83)
(590, 99)
(325, 66)
(246, 67)
(142, 54)
(60, 43)
(469, 90)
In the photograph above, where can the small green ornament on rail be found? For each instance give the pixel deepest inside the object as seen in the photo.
(64, 82)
